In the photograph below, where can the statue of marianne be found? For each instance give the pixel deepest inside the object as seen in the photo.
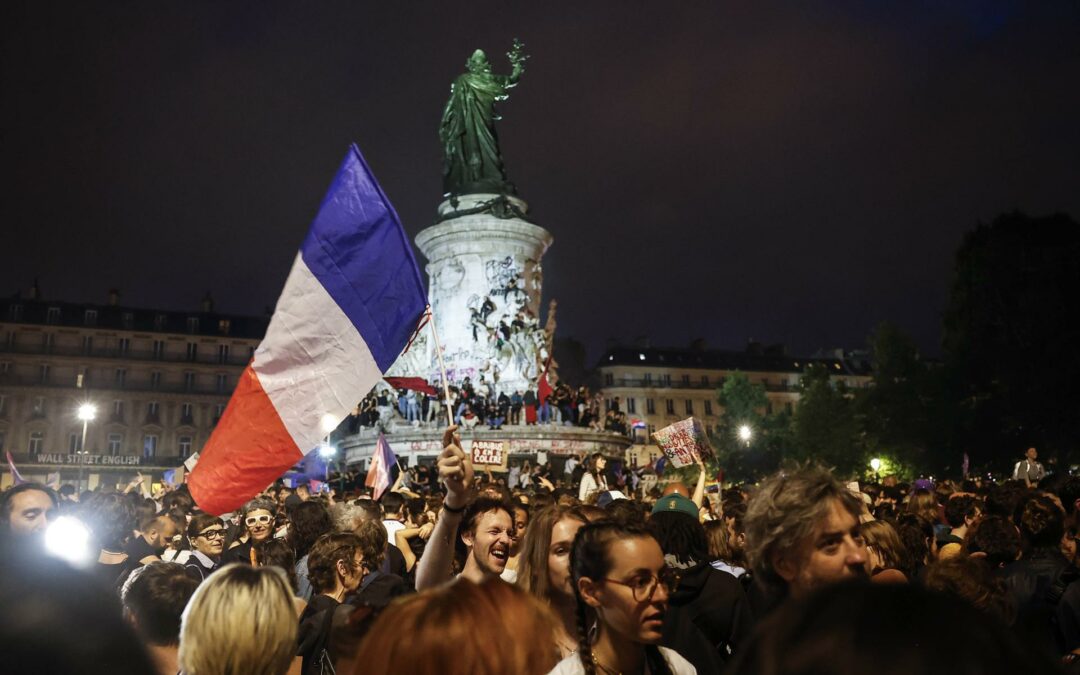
(472, 162)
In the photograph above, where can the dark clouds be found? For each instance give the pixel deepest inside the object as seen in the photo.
(787, 171)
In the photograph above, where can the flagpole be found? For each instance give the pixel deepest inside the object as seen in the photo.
(442, 367)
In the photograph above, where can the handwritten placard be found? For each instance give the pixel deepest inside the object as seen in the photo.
(489, 453)
(684, 442)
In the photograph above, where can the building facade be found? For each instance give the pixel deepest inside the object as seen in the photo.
(657, 387)
(158, 380)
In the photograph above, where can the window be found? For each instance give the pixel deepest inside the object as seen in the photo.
(155, 379)
(222, 383)
(223, 353)
(704, 380)
(90, 317)
(37, 442)
(708, 407)
(159, 349)
(647, 378)
(39, 406)
(160, 321)
(650, 406)
(52, 315)
(87, 344)
(186, 414)
(3, 401)
(120, 379)
(115, 444)
(192, 351)
(118, 410)
(43, 373)
(123, 346)
(631, 405)
(47, 341)
(15, 312)
(669, 406)
(686, 380)
(185, 446)
(689, 407)
(665, 379)
(769, 408)
(5, 367)
(193, 324)
(82, 378)
(609, 379)
(149, 445)
(9, 338)
(75, 442)
(219, 410)
(189, 381)
(223, 326)
(128, 320)
(152, 410)
(788, 408)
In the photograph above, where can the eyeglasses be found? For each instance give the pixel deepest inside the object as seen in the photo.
(262, 520)
(213, 534)
(644, 586)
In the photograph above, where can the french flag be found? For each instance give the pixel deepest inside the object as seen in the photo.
(350, 304)
(379, 476)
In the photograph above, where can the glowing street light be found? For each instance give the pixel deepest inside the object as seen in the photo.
(328, 423)
(327, 451)
(87, 412)
(69, 539)
(745, 434)
(875, 464)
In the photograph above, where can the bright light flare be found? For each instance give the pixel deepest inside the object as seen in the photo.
(875, 464)
(745, 433)
(328, 423)
(68, 539)
(87, 412)
(327, 451)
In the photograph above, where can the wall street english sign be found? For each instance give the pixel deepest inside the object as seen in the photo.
(88, 460)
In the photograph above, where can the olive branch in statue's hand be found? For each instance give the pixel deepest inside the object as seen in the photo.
(516, 55)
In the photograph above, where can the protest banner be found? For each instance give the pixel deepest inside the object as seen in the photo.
(684, 442)
(489, 453)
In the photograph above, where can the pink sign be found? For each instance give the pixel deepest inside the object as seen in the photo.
(684, 442)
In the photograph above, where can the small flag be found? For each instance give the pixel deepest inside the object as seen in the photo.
(350, 304)
(316, 486)
(635, 423)
(415, 383)
(19, 480)
(190, 462)
(660, 464)
(383, 460)
(543, 387)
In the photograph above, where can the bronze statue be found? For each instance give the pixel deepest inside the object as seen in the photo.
(472, 162)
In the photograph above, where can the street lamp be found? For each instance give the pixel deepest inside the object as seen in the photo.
(875, 464)
(87, 412)
(327, 452)
(745, 434)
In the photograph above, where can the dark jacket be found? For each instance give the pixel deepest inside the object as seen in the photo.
(1036, 585)
(708, 617)
(314, 635)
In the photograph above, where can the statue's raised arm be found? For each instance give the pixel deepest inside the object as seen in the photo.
(472, 162)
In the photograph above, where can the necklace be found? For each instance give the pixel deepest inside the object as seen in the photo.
(596, 662)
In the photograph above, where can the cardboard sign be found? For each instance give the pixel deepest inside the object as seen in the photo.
(684, 442)
(489, 453)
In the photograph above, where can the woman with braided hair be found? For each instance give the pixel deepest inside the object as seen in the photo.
(619, 574)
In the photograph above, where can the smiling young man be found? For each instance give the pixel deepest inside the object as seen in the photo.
(802, 531)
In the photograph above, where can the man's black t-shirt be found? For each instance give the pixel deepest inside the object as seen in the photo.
(137, 549)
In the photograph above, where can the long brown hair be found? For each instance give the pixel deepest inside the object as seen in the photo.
(533, 574)
(454, 629)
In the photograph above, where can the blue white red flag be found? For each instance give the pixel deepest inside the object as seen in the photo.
(380, 473)
(19, 480)
(350, 304)
(636, 423)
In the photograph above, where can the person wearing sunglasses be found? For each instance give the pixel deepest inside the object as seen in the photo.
(619, 573)
(206, 533)
(336, 567)
(257, 521)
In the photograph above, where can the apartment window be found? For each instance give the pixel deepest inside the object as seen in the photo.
(192, 351)
(118, 410)
(37, 442)
(87, 344)
(5, 367)
(222, 383)
(120, 379)
(788, 408)
(75, 442)
(650, 406)
(185, 446)
(186, 414)
(43, 373)
(159, 349)
(9, 338)
(90, 317)
(652, 430)
(223, 353)
(115, 444)
(704, 380)
(47, 341)
(38, 409)
(609, 379)
(689, 407)
(669, 406)
(123, 346)
(128, 320)
(152, 410)
(82, 378)
(155, 379)
(223, 326)
(193, 324)
(708, 407)
(52, 315)
(159, 322)
(219, 410)
(631, 405)
(665, 379)
(15, 312)
(647, 378)
(189, 381)
(686, 380)
(149, 445)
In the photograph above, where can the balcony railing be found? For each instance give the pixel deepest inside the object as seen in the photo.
(55, 383)
(212, 358)
(679, 384)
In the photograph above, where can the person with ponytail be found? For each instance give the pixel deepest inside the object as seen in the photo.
(544, 569)
(619, 576)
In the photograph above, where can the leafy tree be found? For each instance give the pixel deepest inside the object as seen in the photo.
(825, 428)
(744, 404)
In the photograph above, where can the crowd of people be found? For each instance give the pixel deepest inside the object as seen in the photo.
(802, 573)
(480, 406)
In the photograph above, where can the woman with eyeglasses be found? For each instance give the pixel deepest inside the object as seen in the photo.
(619, 573)
(206, 533)
(257, 521)
(335, 568)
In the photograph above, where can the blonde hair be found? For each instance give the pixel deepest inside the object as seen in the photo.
(240, 620)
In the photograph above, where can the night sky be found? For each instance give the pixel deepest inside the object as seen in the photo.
(790, 172)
